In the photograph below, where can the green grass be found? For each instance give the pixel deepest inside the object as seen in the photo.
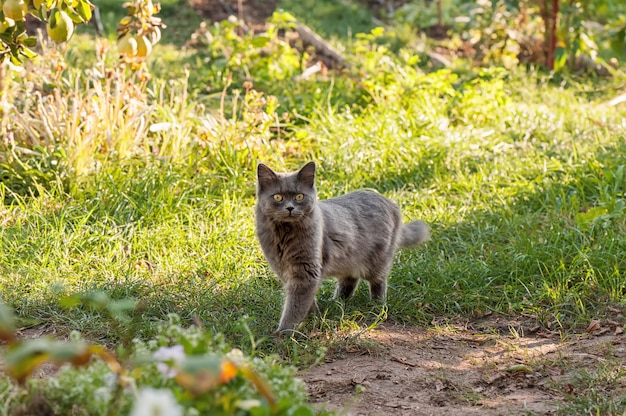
(597, 391)
(179, 17)
(521, 176)
(331, 19)
(121, 188)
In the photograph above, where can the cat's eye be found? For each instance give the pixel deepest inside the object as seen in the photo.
(278, 197)
(299, 197)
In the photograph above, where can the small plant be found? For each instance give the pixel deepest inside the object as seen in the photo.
(138, 31)
(560, 35)
(59, 15)
(264, 58)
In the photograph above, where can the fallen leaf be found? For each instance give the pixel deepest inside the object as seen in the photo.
(518, 368)
(358, 379)
(495, 378)
(554, 371)
(619, 330)
(602, 331)
(593, 326)
(439, 385)
(403, 361)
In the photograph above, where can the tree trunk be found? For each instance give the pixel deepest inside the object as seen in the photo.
(551, 36)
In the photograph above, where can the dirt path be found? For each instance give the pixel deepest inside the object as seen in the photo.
(404, 370)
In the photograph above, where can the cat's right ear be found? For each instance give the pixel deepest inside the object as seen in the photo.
(265, 176)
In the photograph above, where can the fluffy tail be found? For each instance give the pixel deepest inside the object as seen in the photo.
(414, 234)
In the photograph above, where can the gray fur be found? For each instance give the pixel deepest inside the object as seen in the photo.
(349, 237)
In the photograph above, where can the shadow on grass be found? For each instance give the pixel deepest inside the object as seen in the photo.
(552, 252)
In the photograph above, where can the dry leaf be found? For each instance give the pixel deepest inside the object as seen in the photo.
(518, 368)
(358, 379)
(619, 330)
(554, 371)
(439, 385)
(602, 331)
(593, 326)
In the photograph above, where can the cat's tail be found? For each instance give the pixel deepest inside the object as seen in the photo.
(414, 233)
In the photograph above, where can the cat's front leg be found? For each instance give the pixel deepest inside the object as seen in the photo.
(300, 294)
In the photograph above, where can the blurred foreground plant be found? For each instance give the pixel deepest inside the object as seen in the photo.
(181, 368)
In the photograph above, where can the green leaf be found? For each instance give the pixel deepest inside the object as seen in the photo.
(67, 351)
(16, 59)
(518, 368)
(97, 298)
(617, 42)
(22, 358)
(200, 363)
(592, 215)
(28, 53)
(119, 307)
(260, 41)
(76, 18)
(30, 41)
(69, 301)
(83, 8)
(302, 411)
(378, 31)
(560, 59)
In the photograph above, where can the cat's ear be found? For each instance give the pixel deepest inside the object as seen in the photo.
(265, 176)
(306, 175)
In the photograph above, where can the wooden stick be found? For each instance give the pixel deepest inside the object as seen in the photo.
(315, 40)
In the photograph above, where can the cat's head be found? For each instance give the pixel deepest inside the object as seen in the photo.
(286, 197)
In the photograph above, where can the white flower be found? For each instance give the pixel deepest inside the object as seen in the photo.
(169, 357)
(156, 402)
(102, 394)
(110, 380)
(236, 356)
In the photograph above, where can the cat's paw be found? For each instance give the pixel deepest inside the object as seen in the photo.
(284, 332)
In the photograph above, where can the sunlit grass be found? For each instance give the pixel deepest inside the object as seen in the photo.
(144, 188)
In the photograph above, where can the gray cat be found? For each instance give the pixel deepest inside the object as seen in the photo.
(350, 237)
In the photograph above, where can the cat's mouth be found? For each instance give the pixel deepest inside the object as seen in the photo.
(291, 216)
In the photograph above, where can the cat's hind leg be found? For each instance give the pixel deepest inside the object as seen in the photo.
(345, 287)
(378, 290)
(378, 281)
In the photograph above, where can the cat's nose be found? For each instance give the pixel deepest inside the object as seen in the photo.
(289, 209)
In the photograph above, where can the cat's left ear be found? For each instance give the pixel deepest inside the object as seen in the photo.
(306, 175)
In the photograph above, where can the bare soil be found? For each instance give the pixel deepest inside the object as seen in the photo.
(474, 369)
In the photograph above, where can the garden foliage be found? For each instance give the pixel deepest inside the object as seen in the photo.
(126, 195)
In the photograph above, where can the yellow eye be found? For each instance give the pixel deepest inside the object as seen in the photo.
(278, 197)
(299, 197)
